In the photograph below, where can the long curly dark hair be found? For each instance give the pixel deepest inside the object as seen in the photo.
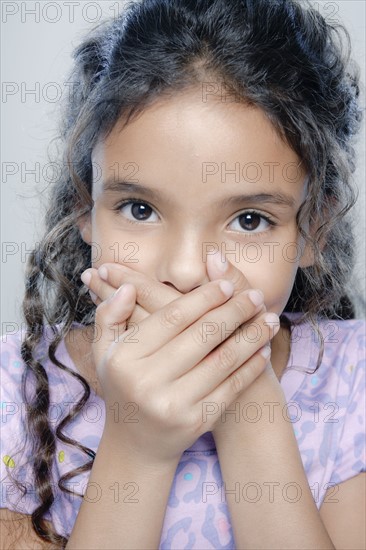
(279, 55)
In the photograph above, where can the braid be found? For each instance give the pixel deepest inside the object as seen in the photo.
(42, 436)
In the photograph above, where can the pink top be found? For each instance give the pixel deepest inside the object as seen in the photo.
(327, 411)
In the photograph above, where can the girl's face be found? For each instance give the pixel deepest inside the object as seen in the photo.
(198, 176)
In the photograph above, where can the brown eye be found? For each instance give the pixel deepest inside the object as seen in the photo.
(141, 211)
(250, 221)
(134, 211)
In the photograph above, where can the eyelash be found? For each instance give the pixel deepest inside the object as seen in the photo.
(249, 235)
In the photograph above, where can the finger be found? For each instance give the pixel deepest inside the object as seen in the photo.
(214, 404)
(138, 315)
(160, 327)
(230, 356)
(215, 265)
(111, 321)
(101, 290)
(192, 345)
(151, 294)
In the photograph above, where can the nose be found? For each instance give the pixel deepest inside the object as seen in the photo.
(182, 265)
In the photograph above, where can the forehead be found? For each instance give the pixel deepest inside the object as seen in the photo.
(202, 123)
(191, 139)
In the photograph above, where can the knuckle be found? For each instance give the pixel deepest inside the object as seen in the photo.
(163, 410)
(113, 361)
(141, 388)
(172, 316)
(226, 358)
(242, 308)
(207, 294)
(250, 372)
(239, 281)
(145, 292)
(168, 409)
(198, 334)
(236, 383)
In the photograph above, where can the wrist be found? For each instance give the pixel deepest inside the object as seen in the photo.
(119, 445)
(256, 411)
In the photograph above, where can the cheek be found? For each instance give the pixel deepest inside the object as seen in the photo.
(113, 244)
(110, 245)
(102, 241)
(274, 273)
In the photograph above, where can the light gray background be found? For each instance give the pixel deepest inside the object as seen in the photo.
(36, 47)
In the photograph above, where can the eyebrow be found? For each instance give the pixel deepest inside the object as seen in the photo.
(280, 199)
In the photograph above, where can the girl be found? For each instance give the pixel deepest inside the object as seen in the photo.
(179, 413)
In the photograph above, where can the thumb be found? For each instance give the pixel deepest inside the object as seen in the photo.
(111, 318)
(217, 268)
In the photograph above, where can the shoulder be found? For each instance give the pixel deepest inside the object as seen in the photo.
(13, 366)
(343, 341)
(345, 333)
(331, 363)
(333, 330)
(16, 441)
(344, 366)
(344, 361)
(331, 398)
(15, 446)
(344, 347)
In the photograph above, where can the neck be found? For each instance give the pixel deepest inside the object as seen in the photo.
(281, 347)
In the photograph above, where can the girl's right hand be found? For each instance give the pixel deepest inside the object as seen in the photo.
(168, 368)
(152, 294)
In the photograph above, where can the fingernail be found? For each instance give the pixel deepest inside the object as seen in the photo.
(220, 262)
(122, 290)
(86, 277)
(93, 296)
(266, 351)
(227, 287)
(103, 272)
(273, 321)
(256, 296)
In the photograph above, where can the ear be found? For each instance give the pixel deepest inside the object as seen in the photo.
(85, 227)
